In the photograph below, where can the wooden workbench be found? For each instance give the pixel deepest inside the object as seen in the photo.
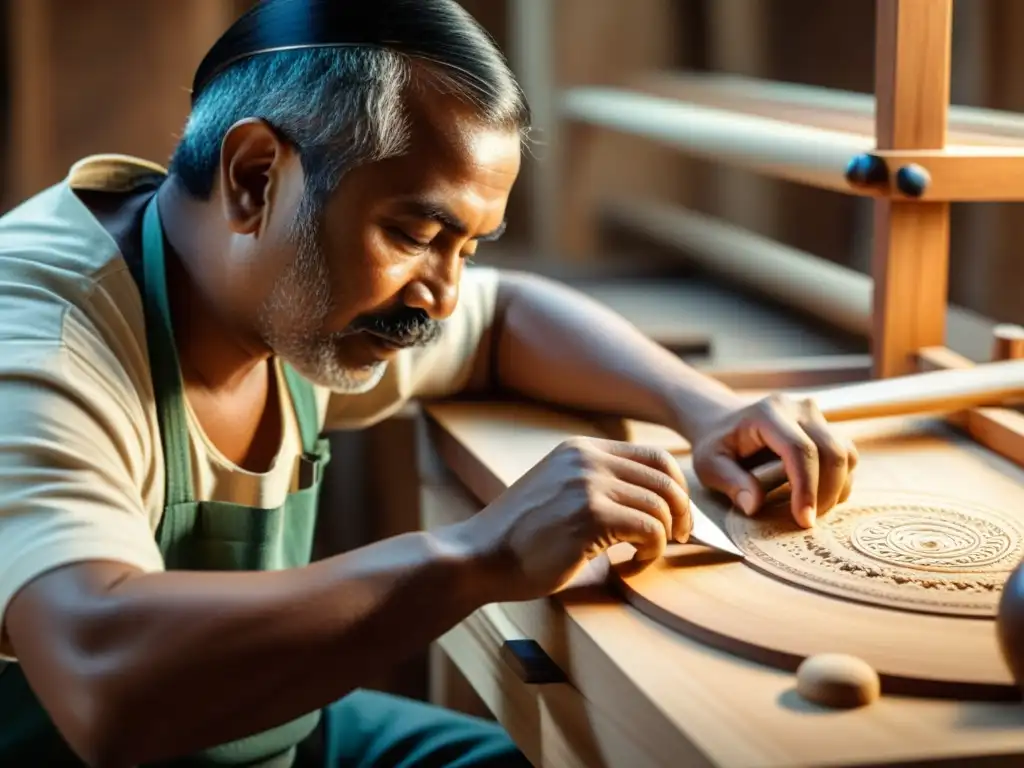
(639, 694)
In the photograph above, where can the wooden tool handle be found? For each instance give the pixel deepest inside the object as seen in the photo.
(936, 391)
(988, 384)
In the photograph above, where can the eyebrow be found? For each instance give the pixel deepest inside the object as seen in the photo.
(426, 209)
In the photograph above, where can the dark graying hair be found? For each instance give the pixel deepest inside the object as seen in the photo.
(344, 106)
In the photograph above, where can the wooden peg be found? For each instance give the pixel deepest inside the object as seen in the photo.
(866, 171)
(1009, 342)
(912, 180)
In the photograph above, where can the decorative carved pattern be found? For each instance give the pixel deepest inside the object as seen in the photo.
(916, 554)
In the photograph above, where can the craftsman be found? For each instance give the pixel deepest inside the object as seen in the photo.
(175, 343)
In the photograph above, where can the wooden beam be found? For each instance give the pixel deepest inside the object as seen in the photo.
(1001, 430)
(910, 262)
(953, 174)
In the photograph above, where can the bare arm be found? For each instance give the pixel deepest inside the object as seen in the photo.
(556, 345)
(222, 656)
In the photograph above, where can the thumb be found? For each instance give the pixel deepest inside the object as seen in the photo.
(722, 473)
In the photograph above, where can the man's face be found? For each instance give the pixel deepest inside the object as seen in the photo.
(379, 268)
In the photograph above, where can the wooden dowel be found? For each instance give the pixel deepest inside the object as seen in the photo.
(793, 278)
(941, 391)
(989, 384)
(791, 151)
(823, 107)
(1009, 342)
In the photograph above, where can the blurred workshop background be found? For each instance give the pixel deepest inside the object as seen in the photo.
(666, 238)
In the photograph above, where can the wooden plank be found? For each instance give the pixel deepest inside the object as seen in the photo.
(910, 261)
(677, 698)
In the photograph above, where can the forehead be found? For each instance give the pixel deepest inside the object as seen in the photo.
(451, 156)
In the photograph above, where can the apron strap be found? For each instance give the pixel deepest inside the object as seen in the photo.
(166, 372)
(306, 411)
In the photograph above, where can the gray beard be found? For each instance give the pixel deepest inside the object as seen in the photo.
(292, 318)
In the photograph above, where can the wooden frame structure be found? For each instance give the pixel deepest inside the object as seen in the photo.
(635, 692)
(906, 148)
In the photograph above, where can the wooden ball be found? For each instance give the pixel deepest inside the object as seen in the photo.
(1010, 624)
(912, 180)
(837, 681)
(866, 170)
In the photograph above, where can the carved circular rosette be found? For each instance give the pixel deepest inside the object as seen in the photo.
(908, 552)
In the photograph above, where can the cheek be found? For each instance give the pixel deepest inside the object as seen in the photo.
(371, 273)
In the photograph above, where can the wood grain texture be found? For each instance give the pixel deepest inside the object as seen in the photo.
(654, 696)
(910, 260)
(904, 464)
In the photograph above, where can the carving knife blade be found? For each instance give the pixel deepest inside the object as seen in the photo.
(710, 535)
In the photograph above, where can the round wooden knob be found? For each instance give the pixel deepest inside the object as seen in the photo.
(1008, 342)
(1010, 624)
(837, 681)
(912, 180)
(866, 170)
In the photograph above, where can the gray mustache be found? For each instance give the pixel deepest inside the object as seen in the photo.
(405, 327)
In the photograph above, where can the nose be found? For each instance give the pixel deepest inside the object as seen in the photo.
(435, 288)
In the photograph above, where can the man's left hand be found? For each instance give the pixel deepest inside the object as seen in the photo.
(818, 463)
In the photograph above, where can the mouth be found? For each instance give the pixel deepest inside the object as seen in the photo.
(388, 343)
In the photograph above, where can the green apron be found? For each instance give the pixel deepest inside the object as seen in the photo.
(365, 728)
(193, 535)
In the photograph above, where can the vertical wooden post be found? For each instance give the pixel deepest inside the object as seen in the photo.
(532, 54)
(32, 92)
(910, 261)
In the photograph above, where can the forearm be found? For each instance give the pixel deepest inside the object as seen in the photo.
(164, 663)
(556, 345)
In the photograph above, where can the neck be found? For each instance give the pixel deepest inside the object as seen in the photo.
(217, 349)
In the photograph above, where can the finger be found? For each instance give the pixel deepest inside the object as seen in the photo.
(619, 523)
(847, 489)
(852, 454)
(784, 435)
(653, 490)
(643, 500)
(722, 473)
(648, 455)
(833, 460)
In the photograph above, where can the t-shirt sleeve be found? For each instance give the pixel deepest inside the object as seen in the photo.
(72, 468)
(438, 370)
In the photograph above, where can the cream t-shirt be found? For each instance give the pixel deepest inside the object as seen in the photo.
(81, 462)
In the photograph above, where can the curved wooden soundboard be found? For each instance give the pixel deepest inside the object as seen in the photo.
(747, 610)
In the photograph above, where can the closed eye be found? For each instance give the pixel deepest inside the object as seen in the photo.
(406, 239)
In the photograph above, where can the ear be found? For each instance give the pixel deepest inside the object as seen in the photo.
(254, 160)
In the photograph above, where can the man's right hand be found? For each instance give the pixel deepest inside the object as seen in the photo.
(582, 498)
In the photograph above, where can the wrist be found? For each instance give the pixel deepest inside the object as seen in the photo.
(694, 410)
(480, 567)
